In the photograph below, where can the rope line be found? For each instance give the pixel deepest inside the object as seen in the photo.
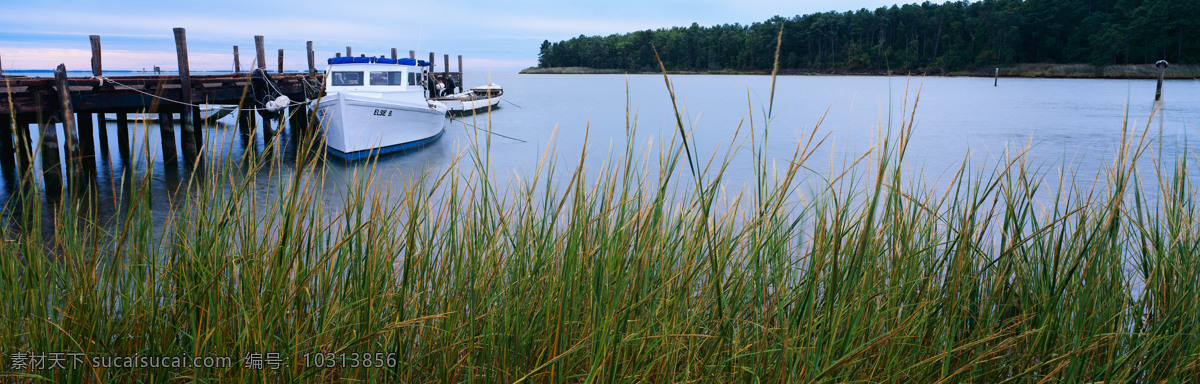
(489, 131)
(104, 79)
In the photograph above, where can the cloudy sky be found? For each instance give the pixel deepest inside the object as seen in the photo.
(491, 35)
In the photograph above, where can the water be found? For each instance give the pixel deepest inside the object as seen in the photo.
(1067, 124)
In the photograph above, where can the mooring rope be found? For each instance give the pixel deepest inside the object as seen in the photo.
(104, 79)
(489, 131)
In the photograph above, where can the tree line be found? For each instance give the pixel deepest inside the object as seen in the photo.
(952, 36)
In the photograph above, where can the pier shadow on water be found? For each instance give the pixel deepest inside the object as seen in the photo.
(107, 180)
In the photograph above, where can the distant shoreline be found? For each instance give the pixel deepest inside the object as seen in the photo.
(1049, 71)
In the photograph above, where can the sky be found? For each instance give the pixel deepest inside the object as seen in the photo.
(496, 35)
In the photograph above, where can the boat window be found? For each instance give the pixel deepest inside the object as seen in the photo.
(387, 78)
(413, 79)
(347, 79)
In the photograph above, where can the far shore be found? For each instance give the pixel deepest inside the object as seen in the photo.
(1059, 71)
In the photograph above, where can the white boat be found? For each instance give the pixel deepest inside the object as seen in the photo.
(375, 106)
(479, 98)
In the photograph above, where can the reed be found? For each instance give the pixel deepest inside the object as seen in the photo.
(640, 272)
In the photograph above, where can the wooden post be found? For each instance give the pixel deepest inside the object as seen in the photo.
(996, 81)
(412, 55)
(190, 137)
(245, 120)
(267, 133)
(460, 74)
(393, 53)
(446, 62)
(312, 61)
(97, 70)
(430, 84)
(96, 67)
(84, 127)
(123, 134)
(7, 123)
(1162, 71)
(102, 133)
(166, 129)
(262, 53)
(24, 147)
(348, 54)
(67, 116)
(51, 162)
(281, 60)
(237, 63)
(50, 142)
(301, 117)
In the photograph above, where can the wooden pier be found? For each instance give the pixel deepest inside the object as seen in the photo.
(76, 108)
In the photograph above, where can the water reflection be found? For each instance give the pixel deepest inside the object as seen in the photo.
(1069, 124)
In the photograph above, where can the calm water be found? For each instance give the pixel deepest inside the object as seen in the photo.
(1068, 124)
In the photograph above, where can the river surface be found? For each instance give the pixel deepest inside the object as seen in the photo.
(1067, 124)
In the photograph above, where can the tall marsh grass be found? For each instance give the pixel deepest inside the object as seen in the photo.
(622, 275)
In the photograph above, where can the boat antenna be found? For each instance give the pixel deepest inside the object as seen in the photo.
(421, 24)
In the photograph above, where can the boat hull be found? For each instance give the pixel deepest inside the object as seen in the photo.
(357, 126)
(463, 105)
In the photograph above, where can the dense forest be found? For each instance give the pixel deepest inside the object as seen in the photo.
(954, 36)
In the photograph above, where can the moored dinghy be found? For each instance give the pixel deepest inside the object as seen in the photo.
(377, 105)
(478, 98)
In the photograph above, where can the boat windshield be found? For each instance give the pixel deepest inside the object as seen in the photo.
(387, 78)
(343, 79)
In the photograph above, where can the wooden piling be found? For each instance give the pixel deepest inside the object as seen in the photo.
(245, 120)
(348, 54)
(280, 60)
(301, 117)
(51, 162)
(412, 55)
(996, 81)
(67, 117)
(261, 51)
(96, 67)
(102, 133)
(85, 127)
(123, 134)
(446, 62)
(97, 70)
(190, 136)
(237, 63)
(393, 53)
(312, 60)
(7, 123)
(267, 133)
(23, 144)
(460, 74)
(431, 63)
(50, 156)
(1162, 71)
(166, 129)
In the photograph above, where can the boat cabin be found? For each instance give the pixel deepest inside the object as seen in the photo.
(374, 74)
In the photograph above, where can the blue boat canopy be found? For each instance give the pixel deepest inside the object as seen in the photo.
(379, 60)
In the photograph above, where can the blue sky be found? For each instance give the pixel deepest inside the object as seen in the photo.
(491, 35)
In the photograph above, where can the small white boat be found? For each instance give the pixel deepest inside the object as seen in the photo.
(479, 98)
(375, 106)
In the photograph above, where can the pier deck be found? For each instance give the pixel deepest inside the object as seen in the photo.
(29, 95)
